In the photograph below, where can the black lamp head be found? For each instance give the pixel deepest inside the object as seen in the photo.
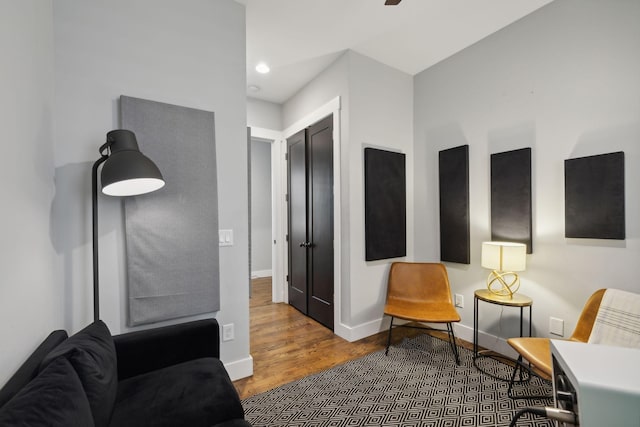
(128, 172)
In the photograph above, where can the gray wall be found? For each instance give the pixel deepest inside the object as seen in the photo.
(88, 54)
(32, 302)
(261, 236)
(191, 55)
(564, 81)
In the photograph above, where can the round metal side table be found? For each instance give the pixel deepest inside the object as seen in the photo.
(518, 301)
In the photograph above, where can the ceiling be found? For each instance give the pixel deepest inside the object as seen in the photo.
(300, 38)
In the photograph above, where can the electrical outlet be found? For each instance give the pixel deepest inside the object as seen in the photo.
(556, 326)
(459, 300)
(228, 332)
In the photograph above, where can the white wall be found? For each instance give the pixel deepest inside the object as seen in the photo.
(190, 54)
(332, 82)
(261, 238)
(381, 116)
(264, 114)
(376, 110)
(31, 300)
(564, 81)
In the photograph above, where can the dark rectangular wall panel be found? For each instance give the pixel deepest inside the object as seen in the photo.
(453, 171)
(385, 204)
(172, 234)
(511, 197)
(594, 197)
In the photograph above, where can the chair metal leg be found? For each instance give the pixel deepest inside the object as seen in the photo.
(386, 353)
(452, 339)
(521, 368)
(452, 342)
(516, 368)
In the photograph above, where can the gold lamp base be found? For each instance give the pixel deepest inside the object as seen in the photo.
(503, 283)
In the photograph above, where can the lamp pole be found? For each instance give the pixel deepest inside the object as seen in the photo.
(94, 210)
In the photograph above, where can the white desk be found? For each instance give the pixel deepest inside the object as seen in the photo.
(606, 381)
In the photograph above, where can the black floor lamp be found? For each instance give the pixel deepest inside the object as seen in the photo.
(126, 172)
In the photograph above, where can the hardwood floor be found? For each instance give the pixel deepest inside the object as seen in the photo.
(286, 345)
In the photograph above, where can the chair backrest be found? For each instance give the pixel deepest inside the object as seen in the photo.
(418, 281)
(587, 317)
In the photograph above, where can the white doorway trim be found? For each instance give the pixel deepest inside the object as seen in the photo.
(331, 107)
(279, 289)
(278, 218)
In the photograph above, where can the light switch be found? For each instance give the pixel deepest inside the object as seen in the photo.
(225, 237)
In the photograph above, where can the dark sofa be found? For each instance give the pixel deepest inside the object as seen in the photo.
(168, 376)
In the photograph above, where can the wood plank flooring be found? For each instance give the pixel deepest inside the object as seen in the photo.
(286, 345)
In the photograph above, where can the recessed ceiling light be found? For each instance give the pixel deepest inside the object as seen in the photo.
(254, 88)
(262, 68)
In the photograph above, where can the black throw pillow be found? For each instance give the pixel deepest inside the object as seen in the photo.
(55, 398)
(93, 356)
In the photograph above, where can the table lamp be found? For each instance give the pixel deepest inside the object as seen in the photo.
(504, 259)
(126, 172)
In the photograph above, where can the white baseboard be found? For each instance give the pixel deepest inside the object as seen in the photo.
(239, 368)
(364, 330)
(261, 273)
(488, 341)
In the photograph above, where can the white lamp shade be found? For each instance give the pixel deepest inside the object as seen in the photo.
(504, 256)
(133, 187)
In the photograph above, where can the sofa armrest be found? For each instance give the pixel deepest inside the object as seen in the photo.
(31, 366)
(151, 349)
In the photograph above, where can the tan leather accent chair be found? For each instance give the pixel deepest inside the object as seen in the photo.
(420, 292)
(537, 351)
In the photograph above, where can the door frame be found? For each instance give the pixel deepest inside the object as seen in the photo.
(278, 252)
(331, 107)
(280, 264)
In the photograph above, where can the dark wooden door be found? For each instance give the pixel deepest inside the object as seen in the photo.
(317, 244)
(297, 198)
(320, 221)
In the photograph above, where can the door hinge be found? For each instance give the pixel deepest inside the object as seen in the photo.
(287, 277)
(286, 156)
(287, 237)
(286, 197)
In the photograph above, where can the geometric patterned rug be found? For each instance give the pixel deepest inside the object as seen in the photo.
(417, 384)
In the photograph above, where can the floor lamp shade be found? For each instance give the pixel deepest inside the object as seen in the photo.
(126, 172)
